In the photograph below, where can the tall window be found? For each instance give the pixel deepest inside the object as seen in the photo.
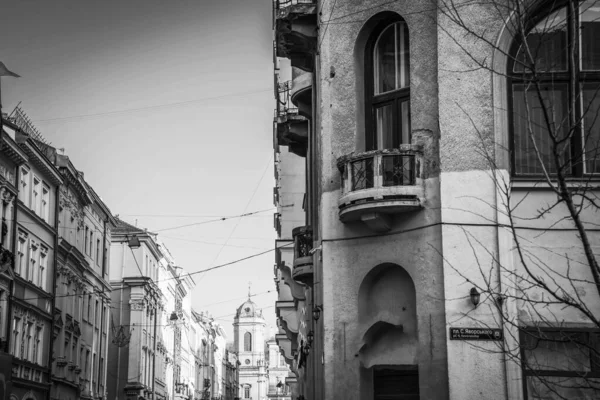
(22, 261)
(24, 189)
(45, 207)
(16, 343)
(247, 341)
(247, 392)
(36, 195)
(91, 242)
(388, 88)
(85, 240)
(556, 102)
(41, 278)
(32, 268)
(97, 251)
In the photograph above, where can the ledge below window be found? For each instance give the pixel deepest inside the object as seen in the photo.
(380, 183)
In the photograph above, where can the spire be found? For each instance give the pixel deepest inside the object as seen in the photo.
(249, 286)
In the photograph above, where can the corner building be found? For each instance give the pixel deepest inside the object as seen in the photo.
(404, 139)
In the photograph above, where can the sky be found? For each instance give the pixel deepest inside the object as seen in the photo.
(167, 108)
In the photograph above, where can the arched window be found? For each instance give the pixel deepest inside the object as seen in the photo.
(554, 76)
(247, 341)
(388, 87)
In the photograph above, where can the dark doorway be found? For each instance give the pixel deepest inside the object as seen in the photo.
(396, 384)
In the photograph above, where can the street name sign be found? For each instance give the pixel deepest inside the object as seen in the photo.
(475, 334)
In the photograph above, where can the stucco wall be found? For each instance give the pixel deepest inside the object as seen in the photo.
(418, 252)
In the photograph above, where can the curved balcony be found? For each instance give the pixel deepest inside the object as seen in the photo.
(301, 91)
(291, 128)
(380, 183)
(296, 31)
(303, 259)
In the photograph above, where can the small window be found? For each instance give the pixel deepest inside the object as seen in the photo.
(388, 88)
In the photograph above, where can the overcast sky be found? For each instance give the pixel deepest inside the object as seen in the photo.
(167, 108)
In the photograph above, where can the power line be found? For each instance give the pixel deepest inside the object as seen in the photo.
(269, 164)
(161, 230)
(50, 296)
(81, 116)
(213, 220)
(212, 243)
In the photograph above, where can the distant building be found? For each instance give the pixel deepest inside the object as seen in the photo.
(249, 342)
(82, 305)
(134, 271)
(277, 371)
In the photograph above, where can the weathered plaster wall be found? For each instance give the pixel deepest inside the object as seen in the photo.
(468, 200)
(347, 262)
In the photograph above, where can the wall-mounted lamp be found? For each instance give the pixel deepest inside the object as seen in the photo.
(474, 294)
(310, 336)
(317, 312)
(173, 317)
(306, 349)
(133, 242)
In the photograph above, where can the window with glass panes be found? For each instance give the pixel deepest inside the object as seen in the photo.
(560, 363)
(388, 87)
(554, 78)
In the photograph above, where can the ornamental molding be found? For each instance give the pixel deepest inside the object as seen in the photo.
(7, 196)
(137, 304)
(67, 200)
(71, 277)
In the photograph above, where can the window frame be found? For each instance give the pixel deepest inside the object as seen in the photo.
(527, 372)
(552, 79)
(394, 97)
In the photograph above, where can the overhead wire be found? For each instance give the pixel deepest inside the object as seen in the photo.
(166, 279)
(269, 164)
(152, 107)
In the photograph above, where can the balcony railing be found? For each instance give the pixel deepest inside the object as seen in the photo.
(284, 99)
(381, 181)
(279, 4)
(303, 260)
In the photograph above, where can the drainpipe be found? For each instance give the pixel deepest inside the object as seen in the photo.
(505, 356)
(14, 251)
(53, 301)
(154, 355)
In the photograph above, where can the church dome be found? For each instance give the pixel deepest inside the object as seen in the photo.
(248, 309)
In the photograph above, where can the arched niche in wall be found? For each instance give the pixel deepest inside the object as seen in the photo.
(387, 317)
(368, 33)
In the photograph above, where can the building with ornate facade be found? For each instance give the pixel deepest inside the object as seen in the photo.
(134, 271)
(30, 311)
(82, 290)
(278, 372)
(11, 158)
(249, 343)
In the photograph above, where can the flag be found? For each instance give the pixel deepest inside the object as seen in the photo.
(6, 72)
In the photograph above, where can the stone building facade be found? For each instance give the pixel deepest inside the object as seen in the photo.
(82, 291)
(430, 211)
